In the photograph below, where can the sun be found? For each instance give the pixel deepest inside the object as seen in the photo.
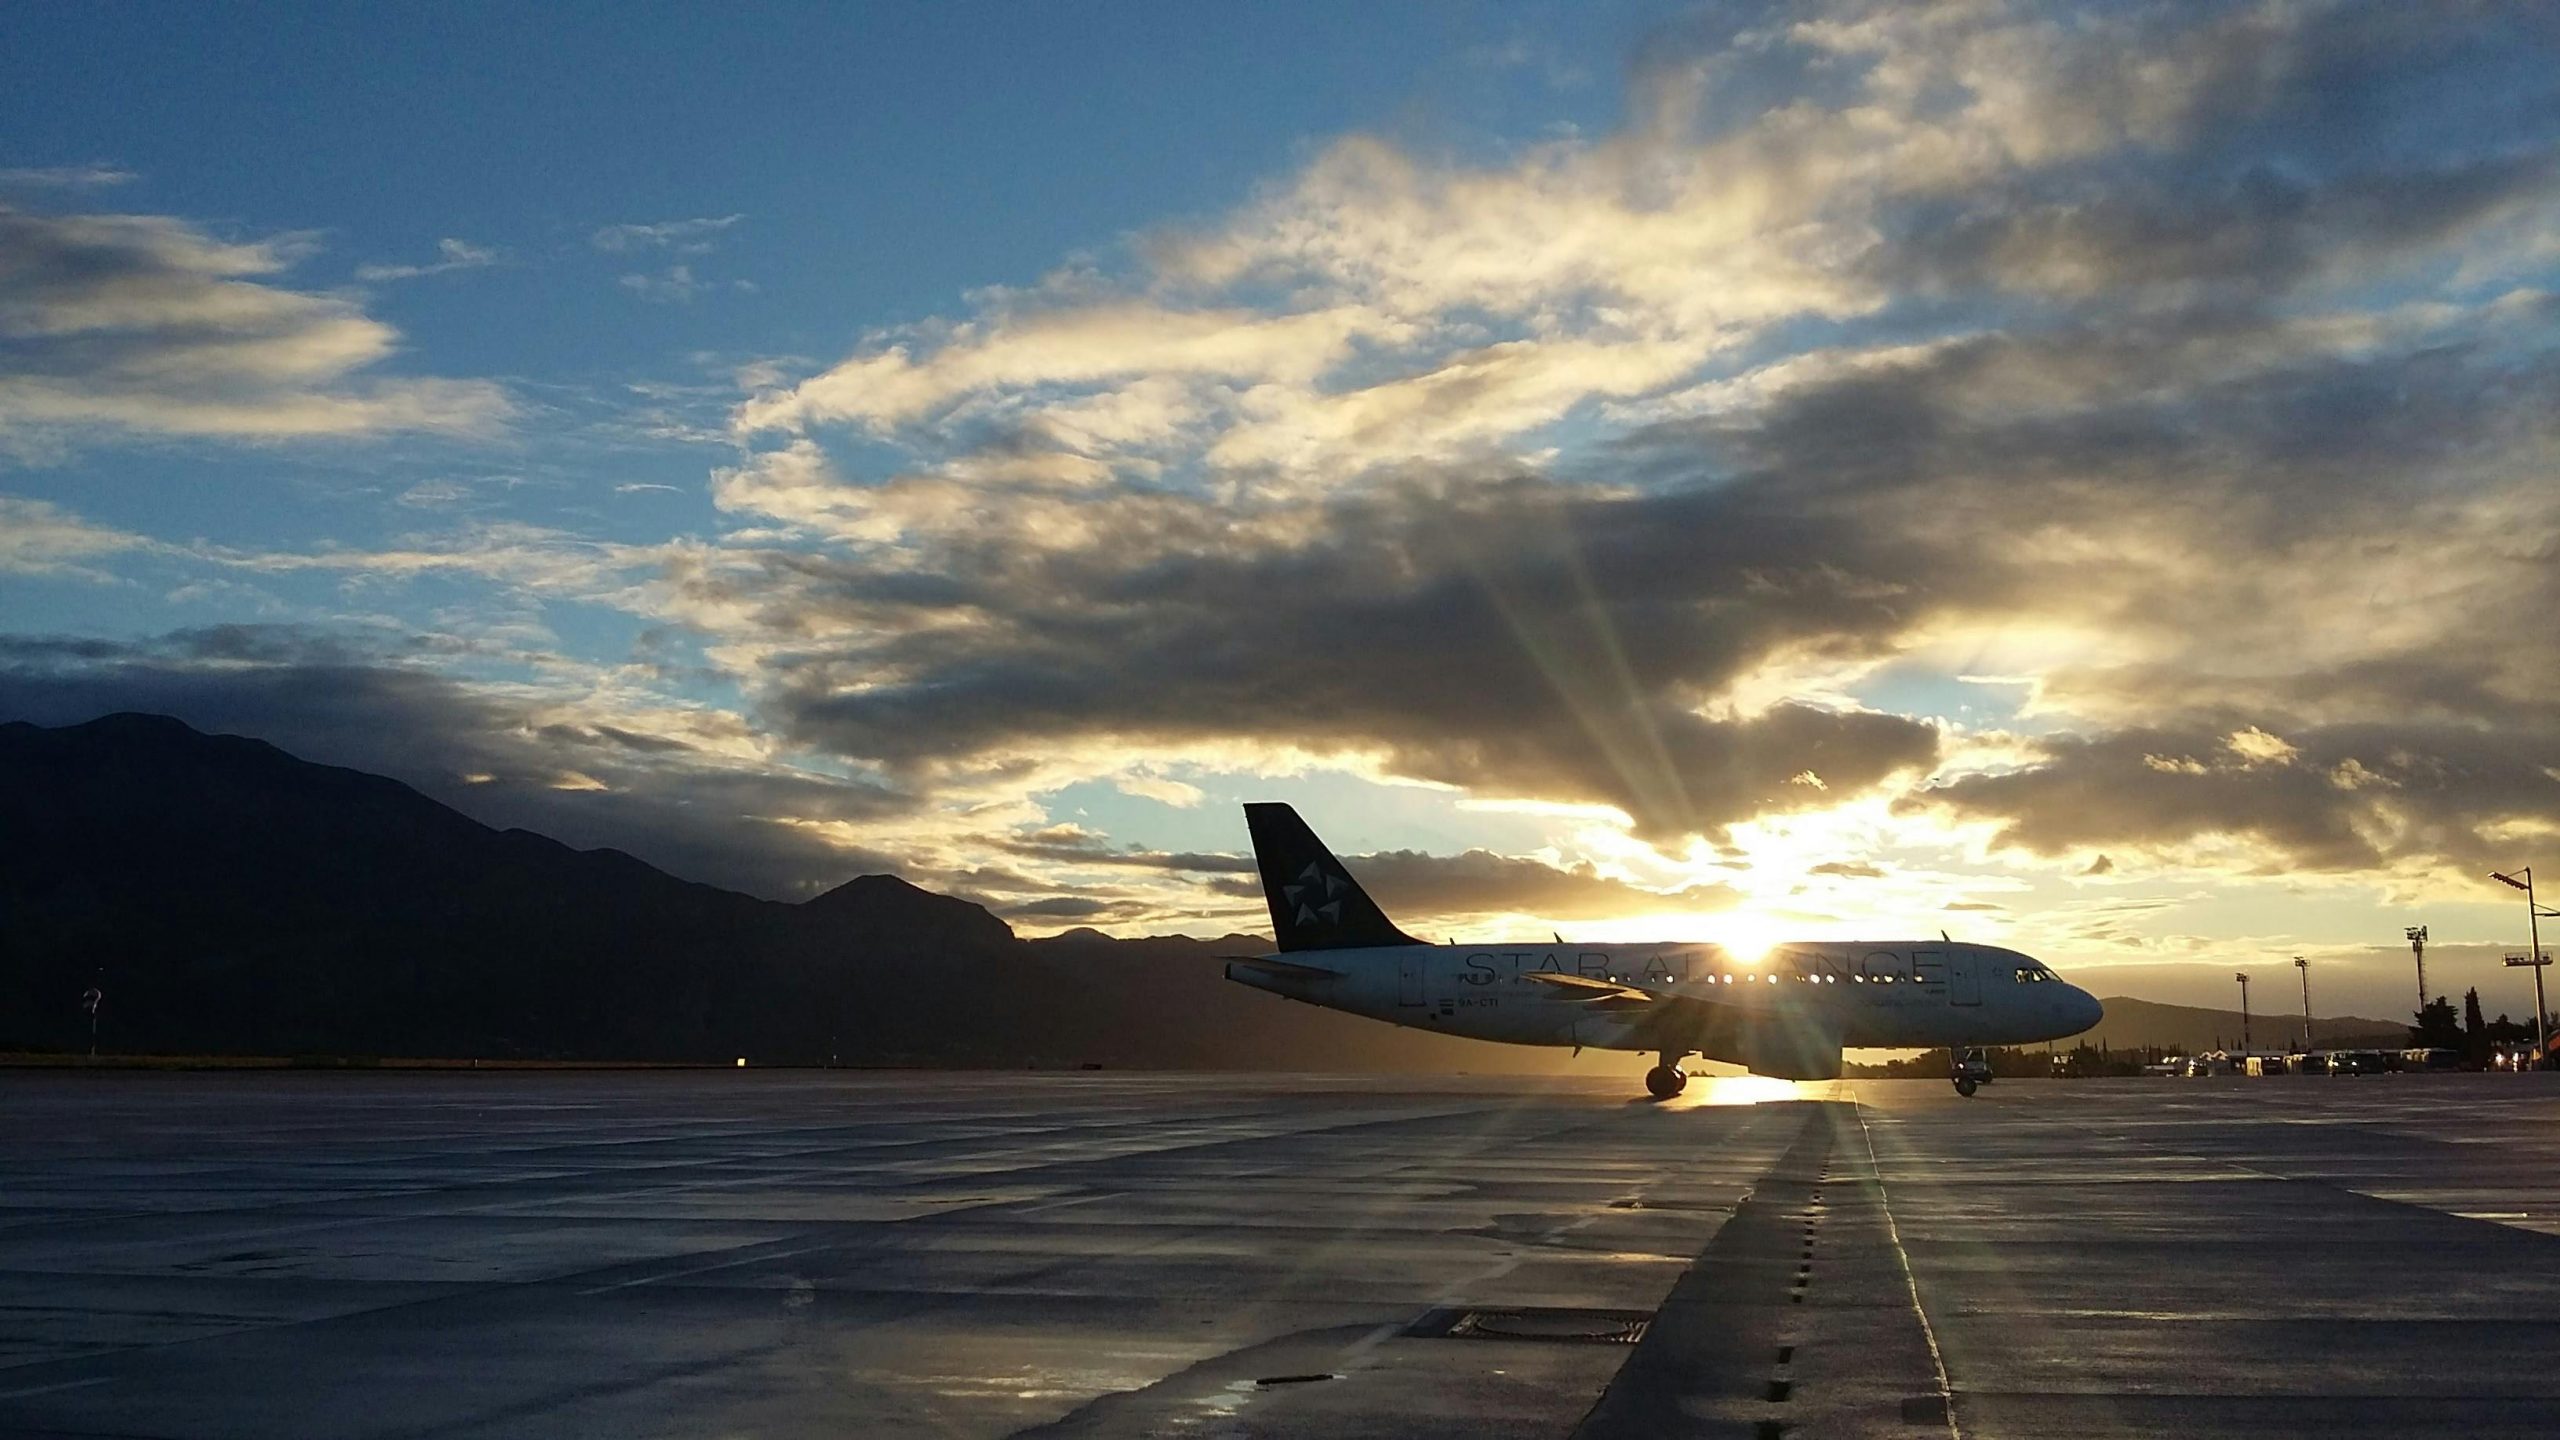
(1746, 936)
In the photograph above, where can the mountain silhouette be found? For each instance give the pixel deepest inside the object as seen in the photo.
(2192, 1028)
(229, 898)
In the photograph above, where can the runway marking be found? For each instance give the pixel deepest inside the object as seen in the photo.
(707, 1269)
(58, 1385)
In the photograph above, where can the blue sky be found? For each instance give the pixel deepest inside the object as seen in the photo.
(1751, 471)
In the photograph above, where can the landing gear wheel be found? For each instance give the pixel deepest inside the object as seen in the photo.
(1664, 1081)
(1966, 1085)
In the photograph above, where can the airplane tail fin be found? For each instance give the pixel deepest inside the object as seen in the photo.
(1315, 904)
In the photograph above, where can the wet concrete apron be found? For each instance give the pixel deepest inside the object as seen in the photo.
(473, 1257)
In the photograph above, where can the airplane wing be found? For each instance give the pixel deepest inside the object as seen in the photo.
(1601, 992)
(1592, 988)
(1799, 1044)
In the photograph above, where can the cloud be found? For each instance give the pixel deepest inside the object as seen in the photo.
(451, 255)
(684, 237)
(677, 285)
(41, 538)
(145, 325)
(66, 177)
(1079, 345)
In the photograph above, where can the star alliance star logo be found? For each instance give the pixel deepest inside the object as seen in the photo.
(1317, 893)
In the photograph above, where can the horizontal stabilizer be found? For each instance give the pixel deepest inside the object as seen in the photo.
(1290, 968)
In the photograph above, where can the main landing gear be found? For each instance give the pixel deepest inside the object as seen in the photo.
(1667, 1079)
(1972, 1071)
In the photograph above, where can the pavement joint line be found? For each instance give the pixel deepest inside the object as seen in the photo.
(707, 1269)
(57, 1385)
(1910, 1278)
(1048, 1205)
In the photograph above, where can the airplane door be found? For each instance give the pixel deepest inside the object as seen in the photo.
(1410, 969)
(1964, 978)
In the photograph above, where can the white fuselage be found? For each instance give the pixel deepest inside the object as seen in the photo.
(1884, 993)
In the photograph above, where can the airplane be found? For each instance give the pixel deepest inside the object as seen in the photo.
(1786, 1015)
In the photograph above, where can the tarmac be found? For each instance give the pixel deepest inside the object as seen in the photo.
(753, 1253)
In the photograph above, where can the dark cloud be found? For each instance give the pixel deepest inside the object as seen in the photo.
(1063, 907)
(1410, 884)
(1407, 883)
(1509, 636)
(2256, 149)
(331, 699)
(1068, 845)
(1852, 869)
(2333, 797)
(2118, 241)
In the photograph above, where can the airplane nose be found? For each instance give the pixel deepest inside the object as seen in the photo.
(2085, 1011)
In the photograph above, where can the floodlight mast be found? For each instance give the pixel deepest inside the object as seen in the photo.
(2305, 967)
(2418, 946)
(2243, 978)
(2533, 958)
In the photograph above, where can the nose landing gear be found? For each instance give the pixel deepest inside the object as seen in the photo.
(1972, 1071)
(1667, 1079)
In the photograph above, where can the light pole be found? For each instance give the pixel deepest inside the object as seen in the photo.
(2305, 967)
(2532, 957)
(2418, 946)
(2243, 977)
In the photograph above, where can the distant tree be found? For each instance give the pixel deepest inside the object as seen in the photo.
(2475, 1031)
(2438, 1026)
